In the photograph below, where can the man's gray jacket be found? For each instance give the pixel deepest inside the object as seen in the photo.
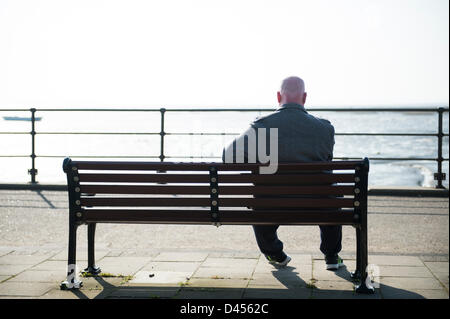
(302, 137)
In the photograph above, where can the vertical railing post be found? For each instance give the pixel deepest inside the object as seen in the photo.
(162, 134)
(33, 170)
(439, 176)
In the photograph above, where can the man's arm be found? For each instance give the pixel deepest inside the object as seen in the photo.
(330, 155)
(238, 150)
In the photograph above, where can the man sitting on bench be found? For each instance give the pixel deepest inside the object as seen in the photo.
(301, 138)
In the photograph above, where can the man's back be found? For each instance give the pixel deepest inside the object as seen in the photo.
(301, 136)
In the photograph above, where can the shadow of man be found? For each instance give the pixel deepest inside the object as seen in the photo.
(290, 279)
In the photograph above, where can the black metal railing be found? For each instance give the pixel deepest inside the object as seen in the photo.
(439, 176)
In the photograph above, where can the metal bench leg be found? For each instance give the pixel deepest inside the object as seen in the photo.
(91, 268)
(356, 275)
(365, 285)
(72, 281)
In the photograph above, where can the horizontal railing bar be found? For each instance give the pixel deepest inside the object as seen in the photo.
(98, 156)
(219, 157)
(313, 110)
(318, 109)
(355, 134)
(14, 110)
(85, 110)
(15, 133)
(98, 133)
(211, 133)
(388, 134)
(339, 158)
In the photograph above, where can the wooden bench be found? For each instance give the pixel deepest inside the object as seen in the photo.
(325, 193)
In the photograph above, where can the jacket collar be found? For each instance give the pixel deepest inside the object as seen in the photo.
(291, 106)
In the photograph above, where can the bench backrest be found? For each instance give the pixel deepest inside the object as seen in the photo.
(204, 193)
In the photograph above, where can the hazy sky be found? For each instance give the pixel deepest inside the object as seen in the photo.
(222, 53)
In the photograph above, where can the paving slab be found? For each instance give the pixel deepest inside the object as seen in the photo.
(443, 279)
(342, 274)
(101, 283)
(270, 281)
(5, 251)
(410, 283)
(76, 294)
(234, 254)
(149, 278)
(288, 276)
(49, 276)
(82, 254)
(229, 262)
(261, 293)
(114, 253)
(395, 260)
(12, 270)
(438, 267)
(432, 294)
(217, 283)
(181, 256)
(223, 272)
(405, 271)
(302, 269)
(143, 292)
(340, 294)
(189, 266)
(60, 265)
(123, 265)
(327, 285)
(24, 251)
(23, 259)
(300, 259)
(137, 253)
(389, 292)
(30, 289)
(210, 293)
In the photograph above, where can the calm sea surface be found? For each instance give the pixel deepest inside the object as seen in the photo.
(205, 147)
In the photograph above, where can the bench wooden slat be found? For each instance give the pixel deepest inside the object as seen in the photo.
(227, 217)
(224, 202)
(224, 190)
(224, 178)
(167, 166)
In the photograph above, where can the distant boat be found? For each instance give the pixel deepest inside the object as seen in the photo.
(18, 118)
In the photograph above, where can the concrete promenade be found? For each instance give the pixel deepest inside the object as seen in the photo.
(408, 248)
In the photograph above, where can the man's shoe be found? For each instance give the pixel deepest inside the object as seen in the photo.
(277, 263)
(334, 262)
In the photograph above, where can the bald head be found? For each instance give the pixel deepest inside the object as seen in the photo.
(292, 90)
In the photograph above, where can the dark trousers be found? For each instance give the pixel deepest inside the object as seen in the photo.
(269, 244)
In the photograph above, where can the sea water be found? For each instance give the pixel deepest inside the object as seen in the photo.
(52, 148)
